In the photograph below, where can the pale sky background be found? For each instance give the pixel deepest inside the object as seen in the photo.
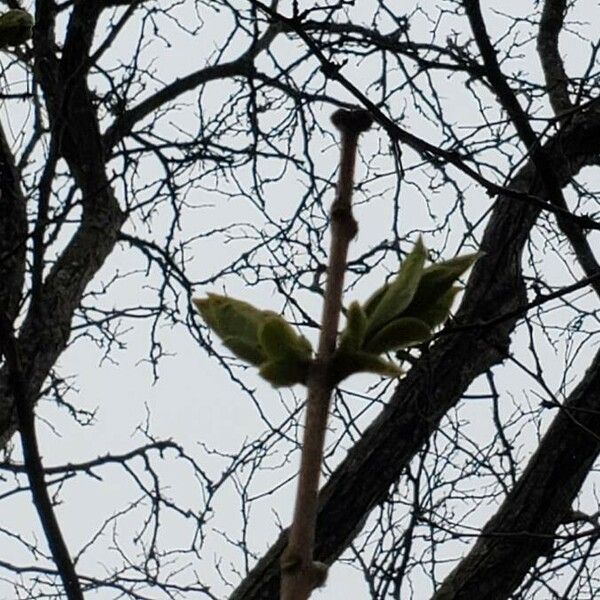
(194, 402)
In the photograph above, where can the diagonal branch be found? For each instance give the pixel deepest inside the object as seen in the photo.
(523, 528)
(544, 163)
(45, 331)
(33, 461)
(439, 378)
(551, 25)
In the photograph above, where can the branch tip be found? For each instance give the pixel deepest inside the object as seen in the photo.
(352, 121)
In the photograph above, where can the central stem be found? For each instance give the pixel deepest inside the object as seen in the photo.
(300, 574)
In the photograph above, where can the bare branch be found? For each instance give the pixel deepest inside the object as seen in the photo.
(33, 461)
(523, 528)
(557, 81)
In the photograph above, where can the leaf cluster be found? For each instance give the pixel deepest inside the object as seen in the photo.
(260, 337)
(400, 314)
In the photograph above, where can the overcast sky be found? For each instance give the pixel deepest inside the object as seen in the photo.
(194, 401)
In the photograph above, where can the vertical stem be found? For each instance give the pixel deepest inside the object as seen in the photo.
(300, 574)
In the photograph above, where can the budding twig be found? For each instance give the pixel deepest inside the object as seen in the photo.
(300, 574)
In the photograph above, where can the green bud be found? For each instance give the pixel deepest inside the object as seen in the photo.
(374, 299)
(400, 333)
(279, 340)
(346, 363)
(436, 313)
(356, 325)
(245, 350)
(400, 292)
(284, 372)
(16, 27)
(259, 337)
(435, 293)
(237, 324)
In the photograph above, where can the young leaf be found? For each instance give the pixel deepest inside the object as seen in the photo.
(235, 321)
(436, 313)
(346, 363)
(356, 324)
(374, 299)
(242, 349)
(284, 372)
(400, 291)
(400, 333)
(279, 340)
(438, 278)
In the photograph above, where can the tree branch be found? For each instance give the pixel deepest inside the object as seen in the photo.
(547, 44)
(13, 233)
(439, 378)
(543, 162)
(300, 575)
(33, 462)
(46, 330)
(428, 151)
(523, 528)
(242, 66)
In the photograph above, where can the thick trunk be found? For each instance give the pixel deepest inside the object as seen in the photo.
(46, 330)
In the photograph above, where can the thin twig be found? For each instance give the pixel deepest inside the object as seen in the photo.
(520, 311)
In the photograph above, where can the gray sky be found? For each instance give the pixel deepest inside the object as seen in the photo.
(195, 402)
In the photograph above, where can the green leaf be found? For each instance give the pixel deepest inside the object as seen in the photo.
(346, 363)
(374, 299)
(435, 314)
(260, 337)
(242, 349)
(16, 27)
(439, 277)
(356, 324)
(284, 372)
(400, 291)
(279, 340)
(235, 321)
(433, 299)
(400, 333)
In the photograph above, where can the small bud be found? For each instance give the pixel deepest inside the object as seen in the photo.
(236, 323)
(356, 324)
(352, 121)
(16, 27)
(260, 337)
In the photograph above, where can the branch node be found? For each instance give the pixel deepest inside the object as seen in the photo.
(353, 122)
(342, 214)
